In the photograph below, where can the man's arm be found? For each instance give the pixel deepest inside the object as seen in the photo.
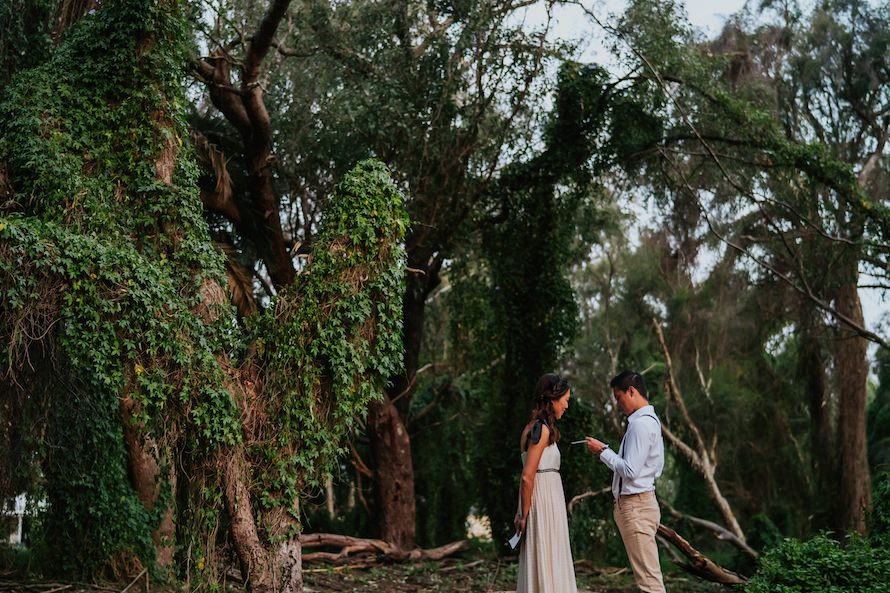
(636, 449)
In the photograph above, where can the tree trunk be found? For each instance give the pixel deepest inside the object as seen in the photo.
(851, 361)
(143, 459)
(276, 570)
(811, 370)
(390, 443)
(394, 474)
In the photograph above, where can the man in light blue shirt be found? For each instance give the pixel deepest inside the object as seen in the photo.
(636, 465)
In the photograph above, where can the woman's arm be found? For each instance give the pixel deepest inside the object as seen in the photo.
(527, 483)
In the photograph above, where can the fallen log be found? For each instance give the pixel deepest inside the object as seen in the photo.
(356, 545)
(700, 565)
(720, 532)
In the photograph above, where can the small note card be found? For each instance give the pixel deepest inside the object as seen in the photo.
(514, 541)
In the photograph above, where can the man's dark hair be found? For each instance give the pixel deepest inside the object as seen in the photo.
(627, 379)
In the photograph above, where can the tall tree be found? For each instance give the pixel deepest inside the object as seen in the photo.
(439, 93)
(790, 192)
(165, 418)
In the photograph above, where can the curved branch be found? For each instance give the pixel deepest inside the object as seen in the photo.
(701, 565)
(719, 531)
(349, 545)
(262, 40)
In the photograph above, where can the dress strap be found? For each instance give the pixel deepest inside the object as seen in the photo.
(535, 435)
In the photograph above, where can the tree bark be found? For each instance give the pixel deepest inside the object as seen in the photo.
(852, 375)
(143, 460)
(700, 565)
(394, 474)
(277, 570)
(245, 109)
(812, 367)
(388, 435)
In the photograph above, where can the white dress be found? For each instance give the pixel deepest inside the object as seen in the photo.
(545, 555)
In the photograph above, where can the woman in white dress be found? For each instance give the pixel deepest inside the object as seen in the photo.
(545, 556)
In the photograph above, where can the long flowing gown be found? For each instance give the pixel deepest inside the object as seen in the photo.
(545, 555)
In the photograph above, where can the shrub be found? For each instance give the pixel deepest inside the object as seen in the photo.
(823, 565)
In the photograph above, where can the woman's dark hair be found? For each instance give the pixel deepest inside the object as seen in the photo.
(550, 388)
(627, 379)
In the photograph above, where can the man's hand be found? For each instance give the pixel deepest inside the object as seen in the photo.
(594, 446)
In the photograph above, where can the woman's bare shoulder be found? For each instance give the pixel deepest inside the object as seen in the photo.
(527, 433)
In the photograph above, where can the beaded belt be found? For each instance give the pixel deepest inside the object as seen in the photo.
(543, 471)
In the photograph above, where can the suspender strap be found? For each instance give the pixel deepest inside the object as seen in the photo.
(621, 478)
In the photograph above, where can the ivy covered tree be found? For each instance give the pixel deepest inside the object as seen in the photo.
(150, 415)
(443, 94)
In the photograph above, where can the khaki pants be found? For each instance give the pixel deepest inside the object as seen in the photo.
(637, 517)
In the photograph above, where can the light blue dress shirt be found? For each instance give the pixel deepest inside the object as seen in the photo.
(640, 458)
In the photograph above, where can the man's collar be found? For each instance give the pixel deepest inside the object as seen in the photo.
(640, 412)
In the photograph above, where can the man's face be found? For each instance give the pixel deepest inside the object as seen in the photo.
(623, 399)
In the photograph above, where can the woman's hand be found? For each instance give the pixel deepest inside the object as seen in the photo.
(519, 523)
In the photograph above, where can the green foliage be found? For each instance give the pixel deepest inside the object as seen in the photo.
(822, 564)
(106, 251)
(879, 516)
(547, 208)
(339, 323)
(879, 417)
(117, 257)
(25, 39)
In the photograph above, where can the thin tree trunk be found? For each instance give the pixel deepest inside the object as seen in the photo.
(329, 496)
(69, 12)
(698, 455)
(394, 474)
(388, 436)
(852, 376)
(811, 370)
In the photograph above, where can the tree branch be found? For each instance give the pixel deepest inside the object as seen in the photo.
(722, 533)
(701, 565)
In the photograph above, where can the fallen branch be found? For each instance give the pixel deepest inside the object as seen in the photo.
(350, 545)
(462, 566)
(675, 556)
(133, 582)
(720, 532)
(588, 494)
(700, 565)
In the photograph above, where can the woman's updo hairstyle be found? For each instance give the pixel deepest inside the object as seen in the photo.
(550, 388)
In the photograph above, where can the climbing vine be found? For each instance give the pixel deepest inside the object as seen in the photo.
(107, 284)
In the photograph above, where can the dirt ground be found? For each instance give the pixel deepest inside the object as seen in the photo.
(452, 575)
(477, 576)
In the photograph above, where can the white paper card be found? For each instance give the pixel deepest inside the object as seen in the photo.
(514, 541)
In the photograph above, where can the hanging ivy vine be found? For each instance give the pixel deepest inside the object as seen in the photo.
(105, 261)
